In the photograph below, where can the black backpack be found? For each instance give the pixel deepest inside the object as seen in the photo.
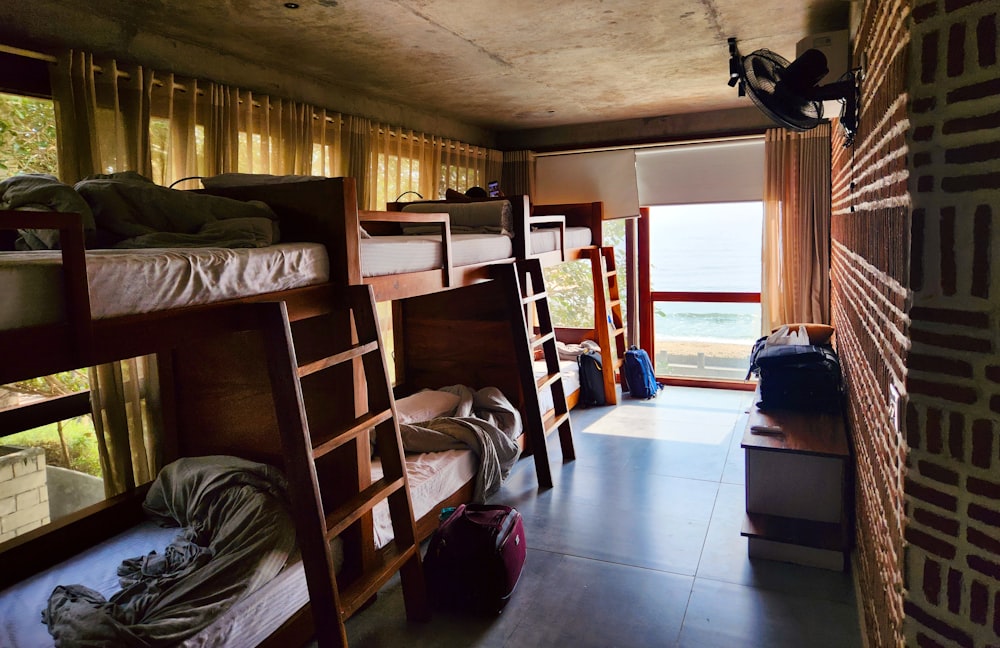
(591, 379)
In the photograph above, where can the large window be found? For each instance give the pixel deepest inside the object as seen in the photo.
(705, 277)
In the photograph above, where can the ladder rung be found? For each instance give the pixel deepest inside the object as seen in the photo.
(614, 303)
(610, 273)
(355, 351)
(551, 421)
(533, 298)
(547, 380)
(539, 340)
(388, 561)
(328, 442)
(618, 331)
(351, 511)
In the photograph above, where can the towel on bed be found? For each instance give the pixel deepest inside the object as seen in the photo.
(237, 535)
(484, 422)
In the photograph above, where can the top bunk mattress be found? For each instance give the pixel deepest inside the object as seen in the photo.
(546, 239)
(388, 255)
(131, 282)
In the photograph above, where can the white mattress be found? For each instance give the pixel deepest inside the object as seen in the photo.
(127, 282)
(570, 377)
(546, 239)
(386, 255)
(432, 477)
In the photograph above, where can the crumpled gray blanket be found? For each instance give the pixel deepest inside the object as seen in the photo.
(126, 210)
(485, 422)
(237, 535)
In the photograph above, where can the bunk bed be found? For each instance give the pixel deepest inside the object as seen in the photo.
(553, 234)
(219, 378)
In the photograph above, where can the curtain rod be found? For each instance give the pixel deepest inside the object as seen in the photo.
(630, 147)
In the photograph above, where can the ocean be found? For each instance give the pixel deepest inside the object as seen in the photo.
(707, 248)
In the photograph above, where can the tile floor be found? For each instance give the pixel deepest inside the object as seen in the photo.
(638, 544)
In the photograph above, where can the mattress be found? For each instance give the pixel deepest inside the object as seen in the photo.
(129, 282)
(388, 255)
(546, 239)
(432, 477)
(570, 378)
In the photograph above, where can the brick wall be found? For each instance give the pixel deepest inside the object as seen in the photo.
(912, 267)
(952, 569)
(24, 501)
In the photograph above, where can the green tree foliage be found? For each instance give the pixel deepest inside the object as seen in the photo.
(570, 287)
(27, 136)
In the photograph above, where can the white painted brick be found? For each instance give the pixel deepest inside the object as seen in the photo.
(18, 519)
(7, 505)
(40, 461)
(4, 537)
(27, 499)
(6, 473)
(30, 481)
(28, 527)
(43, 494)
(25, 467)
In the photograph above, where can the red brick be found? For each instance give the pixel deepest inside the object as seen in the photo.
(932, 581)
(924, 11)
(986, 40)
(925, 184)
(922, 159)
(985, 122)
(923, 641)
(983, 541)
(980, 600)
(956, 50)
(995, 403)
(985, 515)
(954, 590)
(917, 224)
(956, 435)
(929, 57)
(923, 105)
(930, 543)
(976, 182)
(993, 373)
(934, 436)
(948, 526)
(975, 319)
(955, 5)
(975, 91)
(981, 234)
(923, 133)
(982, 443)
(938, 473)
(947, 391)
(937, 364)
(951, 341)
(946, 232)
(972, 154)
(931, 495)
(942, 628)
(984, 567)
(996, 614)
(983, 487)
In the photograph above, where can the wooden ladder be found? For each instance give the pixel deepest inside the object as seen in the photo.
(526, 291)
(608, 322)
(327, 459)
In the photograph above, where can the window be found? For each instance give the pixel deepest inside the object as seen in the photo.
(705, 278)
(27, 135)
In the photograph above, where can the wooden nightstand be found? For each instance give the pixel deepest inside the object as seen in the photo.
(798, 488)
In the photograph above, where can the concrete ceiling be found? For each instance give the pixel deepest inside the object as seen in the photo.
(501, 66)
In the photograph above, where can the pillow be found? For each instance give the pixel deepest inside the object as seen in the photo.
(425, 405)
(492, 216)
(818, 333)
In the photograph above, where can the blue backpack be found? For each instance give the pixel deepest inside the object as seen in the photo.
(640, 380)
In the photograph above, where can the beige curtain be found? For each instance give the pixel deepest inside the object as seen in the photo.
(796, 246)
(403, 160)
(103, 115)
(518, 176)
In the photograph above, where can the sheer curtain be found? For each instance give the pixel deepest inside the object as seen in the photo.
(102, 118)
(796, 246)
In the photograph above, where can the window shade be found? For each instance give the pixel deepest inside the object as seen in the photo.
(701, 173)
(608, 176)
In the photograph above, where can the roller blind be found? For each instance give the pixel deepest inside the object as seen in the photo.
(701, 173)
(608, 176)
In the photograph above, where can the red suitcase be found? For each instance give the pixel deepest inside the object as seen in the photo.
(475, 558)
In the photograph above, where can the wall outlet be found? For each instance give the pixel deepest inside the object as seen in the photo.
(895, 407)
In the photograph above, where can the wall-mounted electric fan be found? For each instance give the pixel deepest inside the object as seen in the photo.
(789, 93)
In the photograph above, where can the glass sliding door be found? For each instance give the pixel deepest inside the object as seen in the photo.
(703, 297)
